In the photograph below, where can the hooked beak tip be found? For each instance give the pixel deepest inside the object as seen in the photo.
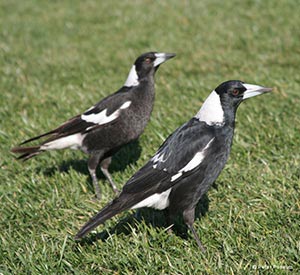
(268, 90)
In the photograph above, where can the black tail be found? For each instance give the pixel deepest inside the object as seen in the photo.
(115, 207)
(38, 137)
(26, 152)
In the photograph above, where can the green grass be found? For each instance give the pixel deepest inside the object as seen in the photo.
(59, 57)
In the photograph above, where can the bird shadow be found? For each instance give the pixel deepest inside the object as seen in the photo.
(128, 154)
(152, 218)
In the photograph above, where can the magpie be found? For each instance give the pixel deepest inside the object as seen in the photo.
(187, 163)
(108, 125)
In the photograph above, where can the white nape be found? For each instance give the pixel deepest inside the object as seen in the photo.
(102, 118)
(73, 142)
(132, 79)
(157, 201)
(211, 111)
(193, 163)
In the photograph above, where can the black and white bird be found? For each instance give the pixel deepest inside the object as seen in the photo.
(108, 125)
(187, 163)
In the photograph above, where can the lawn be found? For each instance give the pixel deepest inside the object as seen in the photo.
(57, 58)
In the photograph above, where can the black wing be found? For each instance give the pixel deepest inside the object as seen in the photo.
(156, 175)
(85, 123)
(174, 154)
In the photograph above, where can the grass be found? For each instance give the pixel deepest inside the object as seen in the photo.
(59, 57)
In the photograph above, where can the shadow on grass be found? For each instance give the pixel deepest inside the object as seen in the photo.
(152, 218)
(129, 154)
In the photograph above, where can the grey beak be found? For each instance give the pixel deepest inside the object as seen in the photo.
(254, 90)
(162, 57)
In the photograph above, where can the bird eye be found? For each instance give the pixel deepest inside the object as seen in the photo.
(148, 60)
(235, 92)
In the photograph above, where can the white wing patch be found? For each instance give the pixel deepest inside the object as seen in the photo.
(72, 141)
(211, 111)
(193, 163)
(89, 109)
(125, 105)
(102, 118)
(158, 201)
(132, 79)
(158, 158)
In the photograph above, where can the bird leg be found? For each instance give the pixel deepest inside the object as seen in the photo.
(169, 221)
(189, 217)
(92, 165)
(201, 246)
(104, 168)
(137, 214)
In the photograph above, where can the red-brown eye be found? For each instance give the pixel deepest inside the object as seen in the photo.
(235, 92)
(148, 60)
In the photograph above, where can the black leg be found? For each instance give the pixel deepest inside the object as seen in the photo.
(104, 168)
(137, 214)
(189, 217)
(92, 166)
(169, 221)
(197, 238)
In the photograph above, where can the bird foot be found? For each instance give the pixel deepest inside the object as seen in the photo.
(97, 197)
(169, 229)
(117, 191)
(201, 246)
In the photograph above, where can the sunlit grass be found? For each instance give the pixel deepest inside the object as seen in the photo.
(57, 58)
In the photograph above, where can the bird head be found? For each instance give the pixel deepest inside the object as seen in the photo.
(145, 65)
(223, 102)
(233, 92)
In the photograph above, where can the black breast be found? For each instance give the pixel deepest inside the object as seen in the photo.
(187, 193)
